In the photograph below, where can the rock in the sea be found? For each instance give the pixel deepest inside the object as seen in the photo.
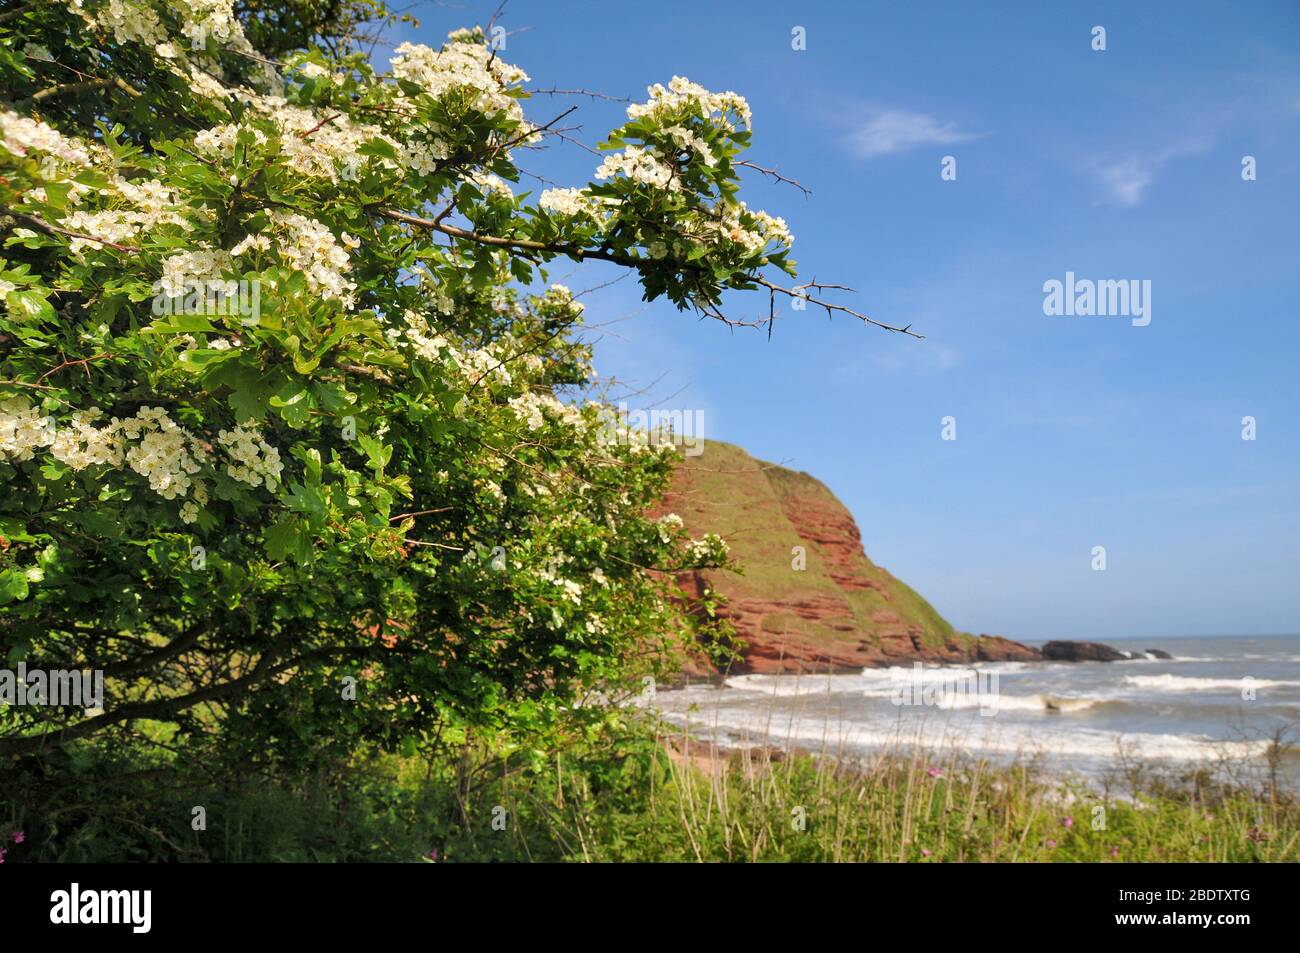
(1157, 653)
(1081, 652)
(995, 648)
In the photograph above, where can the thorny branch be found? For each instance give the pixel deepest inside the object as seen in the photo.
(583, 254)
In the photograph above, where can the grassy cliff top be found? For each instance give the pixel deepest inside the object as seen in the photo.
(765, 512)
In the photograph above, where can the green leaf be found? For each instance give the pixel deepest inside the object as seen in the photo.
(251, 393)
(306, 499)
(294, 402)
(13, 586)
(180, 324)
(377, 453)
(289, 537)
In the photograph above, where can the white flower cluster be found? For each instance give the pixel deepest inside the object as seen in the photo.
(201, 19)
(766, 228)
(668, 525)
(20, 136)
(250, 243)
(559, 296)
(321, 145)
(167, 455)
(574, 203)
(80, 444)
(316, 71)
(252, 459)
(430, 345)
(639, 165)
(532, 409)
(148, 205)
(682, 101)
(483, 362)
(426, 341)
(572, 590)
(491, 184)
(569, 589)
(683, 95)
(564, 201)
(127, 21)
(708, 548)
(151, 443)
(150, 196)
(141, 206)
(491, 488)
(423, 158)
(528, 408)
(137, 20)
(206, 86)
(685, 139)
(463, 65)
(200, 265)
(220, 140)
(23, 428)
(311, 248)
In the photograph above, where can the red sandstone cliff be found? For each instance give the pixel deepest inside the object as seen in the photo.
(808, 598)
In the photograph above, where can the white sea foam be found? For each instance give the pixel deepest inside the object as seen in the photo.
(872, 682)
(1078, 717)
(951, 733)
(1001, 702)
(1190, 683)
(786, 686)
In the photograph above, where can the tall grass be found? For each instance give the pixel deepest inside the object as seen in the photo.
(646, 797)
(762, 805)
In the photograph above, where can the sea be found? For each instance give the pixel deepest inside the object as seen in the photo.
(1219, 704)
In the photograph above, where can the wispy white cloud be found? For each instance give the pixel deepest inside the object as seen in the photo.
(1124, 179)
(883, 132)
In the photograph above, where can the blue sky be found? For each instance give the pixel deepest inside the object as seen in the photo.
(1072, 432)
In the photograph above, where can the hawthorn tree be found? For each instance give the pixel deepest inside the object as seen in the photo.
(294, 435)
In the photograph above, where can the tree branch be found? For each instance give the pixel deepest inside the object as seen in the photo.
(49, 229)
(159, 709)
(177, 646)
(84, 87)
(15, 12)
(774, 174)
(84, 362)
(583, 254)
(578, 92)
